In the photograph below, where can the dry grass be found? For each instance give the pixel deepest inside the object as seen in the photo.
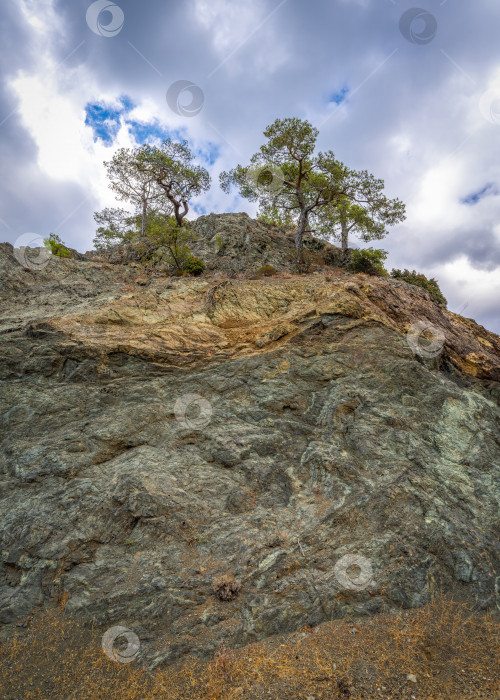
(450, 651)
(226, 587)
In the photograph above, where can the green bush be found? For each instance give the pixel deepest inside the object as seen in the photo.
(115, 226)
(420, 280)
(56, 246)
(193, 266)
(369, 261)
(167, 242)
(267, 270)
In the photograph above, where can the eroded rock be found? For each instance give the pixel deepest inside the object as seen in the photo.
(332, 469)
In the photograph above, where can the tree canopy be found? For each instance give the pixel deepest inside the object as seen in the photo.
(115, 225)
(293, 183)
(369, 223)
(172, 168)
(287, 178)
(131, 183)
(159, 181)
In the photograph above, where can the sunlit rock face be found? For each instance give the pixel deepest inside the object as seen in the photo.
(205, 463)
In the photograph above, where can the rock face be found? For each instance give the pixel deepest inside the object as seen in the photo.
(205, 463)
(235, 243)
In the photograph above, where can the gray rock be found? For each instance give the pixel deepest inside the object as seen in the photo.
(337, 472)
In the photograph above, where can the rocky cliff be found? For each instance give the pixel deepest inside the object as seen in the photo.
(227, 458)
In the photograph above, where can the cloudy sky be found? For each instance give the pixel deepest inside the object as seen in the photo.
(411, 94)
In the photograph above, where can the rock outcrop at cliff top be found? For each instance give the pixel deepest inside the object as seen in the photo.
(229, 466)
(235, 243)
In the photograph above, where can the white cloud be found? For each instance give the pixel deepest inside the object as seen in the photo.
(416, 122)
(228, 24)
(245, 26)
(469, 290)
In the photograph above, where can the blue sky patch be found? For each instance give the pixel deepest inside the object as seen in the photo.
(209, 154)
(339, 96)
(199, 209)
(145, 132)
(475, 197)
(105, 119)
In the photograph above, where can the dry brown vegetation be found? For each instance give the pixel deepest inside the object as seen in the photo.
(445, 650)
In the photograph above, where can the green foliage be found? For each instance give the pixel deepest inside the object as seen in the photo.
(292, 182)
(346, 218)
(163, 239)
(420, 280)
(171, 167)
(132, 183)
(193, 266)
(368, 260)
(56, 246)
(166, 241)
(115, 226)
(267, 270)
(272, 218)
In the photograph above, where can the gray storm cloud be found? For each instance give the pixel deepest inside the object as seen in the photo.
(410, 114)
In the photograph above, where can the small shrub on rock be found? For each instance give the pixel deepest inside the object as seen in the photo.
(193, 266)
(56, 246)
(368, 260)
(267, 270)
(420, 280)
(226, 587)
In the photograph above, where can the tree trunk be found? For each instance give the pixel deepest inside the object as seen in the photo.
(299, 233)
(144, 214)
(345, 236)
(177, 214)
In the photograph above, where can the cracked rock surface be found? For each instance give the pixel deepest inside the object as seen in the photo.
(285, 445)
